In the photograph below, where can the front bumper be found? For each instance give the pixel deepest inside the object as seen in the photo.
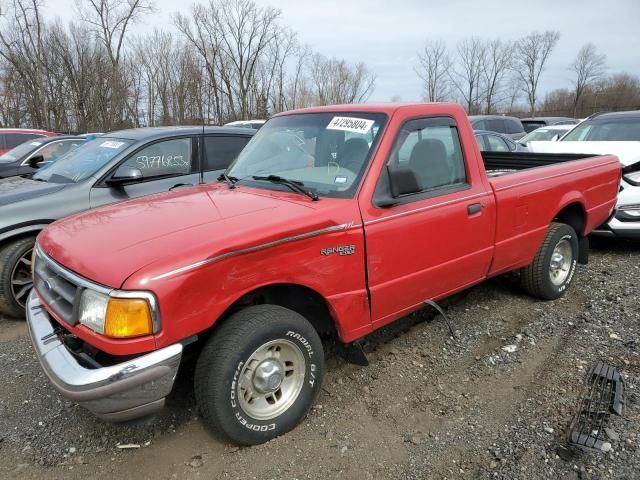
(125, 391)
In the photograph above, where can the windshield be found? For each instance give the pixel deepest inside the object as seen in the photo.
(542, 135)
(84, 161)
(614, 130)
(327, 153)
(20, 151)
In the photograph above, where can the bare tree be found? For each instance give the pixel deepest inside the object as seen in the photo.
(498, 62)
(335, 81)
(22, 38)
(433, 69)
(110, 20)
(466, 76)
(588, 67)
(532, 53)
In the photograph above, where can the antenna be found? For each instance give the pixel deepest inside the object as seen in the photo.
(202, 149)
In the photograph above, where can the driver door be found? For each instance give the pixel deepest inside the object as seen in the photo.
(436, 240)
(165, 165)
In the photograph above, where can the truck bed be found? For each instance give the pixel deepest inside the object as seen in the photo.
(502, 163)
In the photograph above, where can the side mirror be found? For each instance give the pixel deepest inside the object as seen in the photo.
(35, 161)
(125, 175)
(402, 181)
(555, 138)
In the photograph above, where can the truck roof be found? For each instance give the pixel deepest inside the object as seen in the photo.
(388, 108)
(149, 133)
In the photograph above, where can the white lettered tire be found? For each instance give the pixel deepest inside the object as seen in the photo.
(259, 374)
(550, 274)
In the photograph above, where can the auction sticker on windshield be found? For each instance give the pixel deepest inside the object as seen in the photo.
(111, 144)
(350, 124)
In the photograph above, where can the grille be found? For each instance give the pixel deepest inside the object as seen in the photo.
(56, 286)
(603, 395)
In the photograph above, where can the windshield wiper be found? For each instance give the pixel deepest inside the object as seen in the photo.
(292, 184)
(231, 181)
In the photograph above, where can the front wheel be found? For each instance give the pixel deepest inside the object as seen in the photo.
(15, 276)
(553, 267)
(259, 373)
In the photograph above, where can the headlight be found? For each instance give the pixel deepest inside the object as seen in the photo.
(93, 307)
(633, 178)
(114, 316)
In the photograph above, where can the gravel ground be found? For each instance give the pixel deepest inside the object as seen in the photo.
(428, 406)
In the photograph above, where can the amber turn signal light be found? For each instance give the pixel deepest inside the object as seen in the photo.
(127, 318)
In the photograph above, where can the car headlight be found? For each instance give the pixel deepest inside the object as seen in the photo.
(116, 316)
(633, 178)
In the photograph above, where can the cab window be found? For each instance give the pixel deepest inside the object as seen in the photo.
(431, 149)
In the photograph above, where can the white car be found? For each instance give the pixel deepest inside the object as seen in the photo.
(253, 124)
(546, 134)
(616, 133)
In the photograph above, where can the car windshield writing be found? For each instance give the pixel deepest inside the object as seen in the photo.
(325, 152)
(19, 151)
(84, 161)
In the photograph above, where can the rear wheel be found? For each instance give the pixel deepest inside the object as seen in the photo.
(553, 268)
(15, 276)
(259, 373)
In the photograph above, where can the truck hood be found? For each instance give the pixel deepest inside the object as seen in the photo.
(627, 152)
(17, 189)
(109, 244)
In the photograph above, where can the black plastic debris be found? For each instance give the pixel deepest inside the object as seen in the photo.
(602, 395)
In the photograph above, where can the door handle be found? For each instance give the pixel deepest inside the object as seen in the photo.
(474, 208)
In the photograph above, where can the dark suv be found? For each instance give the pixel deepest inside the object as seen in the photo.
(509, 126)
(110, 168)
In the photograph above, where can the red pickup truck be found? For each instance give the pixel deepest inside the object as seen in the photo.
(331, 223)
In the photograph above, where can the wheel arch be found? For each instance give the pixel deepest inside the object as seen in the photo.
(23, 231)
(300, 298)
(573, 214)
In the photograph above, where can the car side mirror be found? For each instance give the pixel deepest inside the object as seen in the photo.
(35, 161)
(125, 175)
(555, 138)
(402, 181)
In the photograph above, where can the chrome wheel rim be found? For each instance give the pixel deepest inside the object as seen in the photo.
(561, 260)
(21, 281)
(271, 379)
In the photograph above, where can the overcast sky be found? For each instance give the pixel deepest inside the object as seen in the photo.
(386, 35)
